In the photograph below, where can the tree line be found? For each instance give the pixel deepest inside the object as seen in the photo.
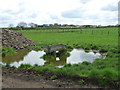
(24, 25)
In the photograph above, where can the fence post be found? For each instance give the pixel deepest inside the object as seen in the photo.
(92, 31)
(108, 32)
(81, 32)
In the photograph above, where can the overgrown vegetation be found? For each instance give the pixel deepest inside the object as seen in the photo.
(47, 57)
(6, 51)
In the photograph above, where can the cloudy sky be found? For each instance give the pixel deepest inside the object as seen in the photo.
(80, 12)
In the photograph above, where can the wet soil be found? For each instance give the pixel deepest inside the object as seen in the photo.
(29, 78)
(12, 78)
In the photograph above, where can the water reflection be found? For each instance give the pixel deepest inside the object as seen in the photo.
(62, 60)
(78, 56)
(15, 57)
(33, 57)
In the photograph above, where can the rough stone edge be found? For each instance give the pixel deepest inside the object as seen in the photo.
(1, 60)
(28, 42)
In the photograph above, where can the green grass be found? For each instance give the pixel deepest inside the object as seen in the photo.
(6, 51)
(99, 37)
(106, 70)
(47, 57)
(90, 38)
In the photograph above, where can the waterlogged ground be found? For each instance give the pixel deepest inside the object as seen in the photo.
(34, 57)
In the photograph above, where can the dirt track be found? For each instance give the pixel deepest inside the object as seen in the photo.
(13, 82)
(19, 79)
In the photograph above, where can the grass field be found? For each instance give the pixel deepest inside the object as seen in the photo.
(96, 36)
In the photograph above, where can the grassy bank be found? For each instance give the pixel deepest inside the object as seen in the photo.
(105, 70)
(6, 51)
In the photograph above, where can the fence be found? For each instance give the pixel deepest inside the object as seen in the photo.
(92, 31)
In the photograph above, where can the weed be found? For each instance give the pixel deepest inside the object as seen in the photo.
(94, 73)
(6, 51)
(25, 66)
(65, 54)
(47, 57)
(67, 65)
(86, 63)
(81, 82)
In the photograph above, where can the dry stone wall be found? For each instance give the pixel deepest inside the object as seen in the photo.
(15, 40)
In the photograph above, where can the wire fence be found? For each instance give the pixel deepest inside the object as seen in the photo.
(92, 31)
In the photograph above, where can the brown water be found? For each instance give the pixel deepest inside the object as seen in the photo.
(33, 57)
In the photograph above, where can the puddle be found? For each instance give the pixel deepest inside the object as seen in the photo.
(33, 57)
(78, 56)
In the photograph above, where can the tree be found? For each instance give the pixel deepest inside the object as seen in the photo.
(32, 25)
(11, 25)
(56, 24)
(22, 25)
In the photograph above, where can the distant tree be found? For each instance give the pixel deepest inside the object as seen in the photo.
(71, 25)
(56, 24)
(65, 25)
(32, 25)
(11, 26)
(22, 25)
(39, 25)
(36, 25)
(45, 25)
(51, 25)
(99, 25)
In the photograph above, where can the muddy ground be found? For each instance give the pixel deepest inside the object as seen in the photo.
(22, 78)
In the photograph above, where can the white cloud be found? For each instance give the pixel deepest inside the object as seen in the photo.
(102, 12)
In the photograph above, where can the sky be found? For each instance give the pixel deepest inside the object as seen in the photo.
(78, 12)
